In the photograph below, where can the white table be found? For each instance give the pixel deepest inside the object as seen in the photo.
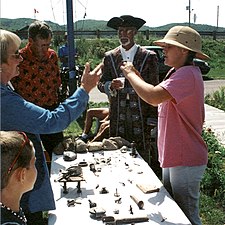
(120, 176)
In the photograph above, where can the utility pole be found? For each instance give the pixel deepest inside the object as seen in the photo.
(70, 39)
(217, 24)
(189, 13)
(217, 19)
(189, 23)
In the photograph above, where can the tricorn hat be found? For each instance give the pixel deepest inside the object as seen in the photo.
(126, 21)
(184, 37)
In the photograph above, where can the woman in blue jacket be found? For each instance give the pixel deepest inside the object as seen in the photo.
(18, 114)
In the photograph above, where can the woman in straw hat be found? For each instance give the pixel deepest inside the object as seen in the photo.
(180, 100)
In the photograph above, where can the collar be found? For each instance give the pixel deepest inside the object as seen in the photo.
(11, 86)
(128, 55)
(6, 87)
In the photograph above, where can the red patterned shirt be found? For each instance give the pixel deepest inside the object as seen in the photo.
(39, 81)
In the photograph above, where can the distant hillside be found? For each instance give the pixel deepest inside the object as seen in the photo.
(101, 25)
(17, 24)
(198, 27)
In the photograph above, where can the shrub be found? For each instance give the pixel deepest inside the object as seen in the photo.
(217, 99)
(213, 182)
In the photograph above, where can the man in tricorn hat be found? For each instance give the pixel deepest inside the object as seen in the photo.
(130, 117)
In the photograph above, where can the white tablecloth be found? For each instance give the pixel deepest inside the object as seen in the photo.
(120, 175)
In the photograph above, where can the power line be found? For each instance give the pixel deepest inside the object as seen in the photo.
(85, 8)
(63, 12)
(52, 11)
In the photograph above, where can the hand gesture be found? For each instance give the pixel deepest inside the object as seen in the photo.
(129, 69)
(89, 78)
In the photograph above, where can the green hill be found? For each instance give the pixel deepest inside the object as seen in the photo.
(20, 23)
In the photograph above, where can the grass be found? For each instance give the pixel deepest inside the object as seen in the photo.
(217, 74)
(211, 212)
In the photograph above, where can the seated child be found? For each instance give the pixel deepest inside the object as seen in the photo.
(18, 174)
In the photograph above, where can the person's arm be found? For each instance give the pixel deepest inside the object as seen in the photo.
(151, 94)
(18, 114)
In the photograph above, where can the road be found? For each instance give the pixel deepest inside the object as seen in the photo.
(210, 87)
(213, 85)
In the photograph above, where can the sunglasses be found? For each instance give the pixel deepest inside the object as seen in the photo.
(25, 141)
(16, 55)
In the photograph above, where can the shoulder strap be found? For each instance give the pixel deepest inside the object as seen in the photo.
(143, 63)
(113, 64)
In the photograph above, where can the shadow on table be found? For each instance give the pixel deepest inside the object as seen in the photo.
(158, 218)
(159, 198)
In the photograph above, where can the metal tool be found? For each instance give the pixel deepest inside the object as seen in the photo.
(71, 174)
(92, 204)
(72, 202)
(110, 220)
(138, 202)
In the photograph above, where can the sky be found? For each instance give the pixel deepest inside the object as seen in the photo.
(154, 12)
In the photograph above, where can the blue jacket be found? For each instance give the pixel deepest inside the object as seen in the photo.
(18, 114)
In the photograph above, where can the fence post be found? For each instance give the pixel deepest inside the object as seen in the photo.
(214, 35)
(98, 34)
(147, 34)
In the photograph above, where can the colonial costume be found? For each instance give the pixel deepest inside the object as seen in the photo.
(130, 117)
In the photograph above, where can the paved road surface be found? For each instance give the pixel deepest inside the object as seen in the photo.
(97, 96)
(213, 85)
(210, 87)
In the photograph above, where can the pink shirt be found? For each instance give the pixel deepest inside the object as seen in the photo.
(180, 122)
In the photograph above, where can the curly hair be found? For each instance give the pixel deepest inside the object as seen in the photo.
(40, 30)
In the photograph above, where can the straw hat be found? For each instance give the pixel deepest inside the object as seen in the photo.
(184, 37)
(125, 21)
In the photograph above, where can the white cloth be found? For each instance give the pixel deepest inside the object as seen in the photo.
(128, 55)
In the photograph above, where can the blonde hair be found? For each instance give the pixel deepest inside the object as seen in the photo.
(12, 142)
(7, 39)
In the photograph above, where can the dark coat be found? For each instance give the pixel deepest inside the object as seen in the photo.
(131, 119)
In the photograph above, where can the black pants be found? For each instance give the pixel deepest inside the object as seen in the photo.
(50, 141)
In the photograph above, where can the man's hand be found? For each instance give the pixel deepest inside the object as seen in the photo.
(116, 84)
(89, 78)
(129, 69)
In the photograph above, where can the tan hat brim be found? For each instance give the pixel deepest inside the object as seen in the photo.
(199, 54)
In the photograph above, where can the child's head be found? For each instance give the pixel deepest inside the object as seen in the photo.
(17, 160)
(184, 37)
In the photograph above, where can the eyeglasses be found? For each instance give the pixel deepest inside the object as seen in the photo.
(26, 140)
(16, 55)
